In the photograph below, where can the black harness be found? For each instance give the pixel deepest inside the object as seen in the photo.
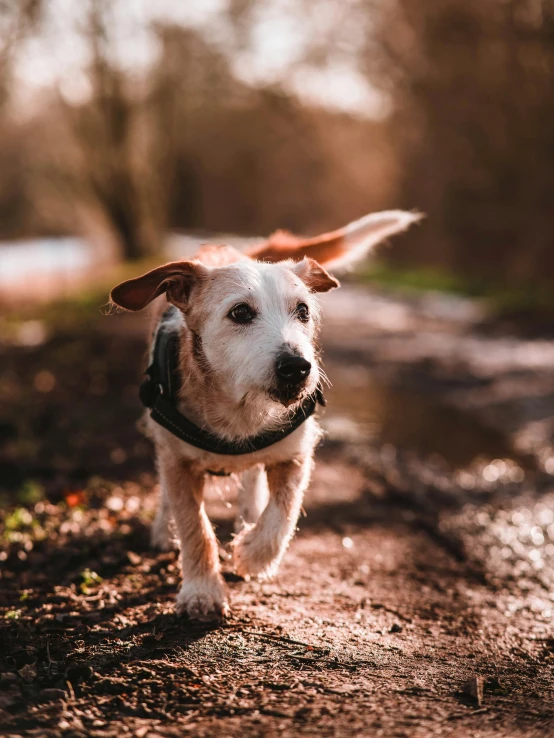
(160, 390)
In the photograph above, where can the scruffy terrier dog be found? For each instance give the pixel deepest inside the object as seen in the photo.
(232, 384)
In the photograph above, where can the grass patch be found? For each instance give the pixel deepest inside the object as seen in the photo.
(12, 615)
(30, 492)
(505, 299)
(19, 519)
(88, 580)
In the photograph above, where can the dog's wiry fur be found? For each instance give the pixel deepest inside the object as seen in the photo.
(229, 387)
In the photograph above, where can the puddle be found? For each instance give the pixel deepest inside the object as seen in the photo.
(360, 409)
(514, 543)
(502, 516)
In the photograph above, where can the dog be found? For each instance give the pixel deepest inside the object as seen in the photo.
(232, 386)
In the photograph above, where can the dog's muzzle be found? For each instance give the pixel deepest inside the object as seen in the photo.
(292, 373)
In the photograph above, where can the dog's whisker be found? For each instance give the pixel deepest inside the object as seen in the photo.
(324, 377)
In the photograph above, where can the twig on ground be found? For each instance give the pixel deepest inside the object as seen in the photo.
(49, 657)
(285, 639)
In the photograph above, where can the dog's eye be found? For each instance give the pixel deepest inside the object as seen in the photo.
(302, 312)
(242, 313)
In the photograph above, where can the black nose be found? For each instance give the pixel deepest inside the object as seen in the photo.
(293, 369)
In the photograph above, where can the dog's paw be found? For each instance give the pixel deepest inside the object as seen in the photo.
(203, 599)
(253, 558)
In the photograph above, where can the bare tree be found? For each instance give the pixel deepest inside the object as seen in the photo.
(474, 104)
(115, 157)
(17, 19)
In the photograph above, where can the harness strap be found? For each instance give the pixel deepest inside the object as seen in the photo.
(167, 415)
(159, 392)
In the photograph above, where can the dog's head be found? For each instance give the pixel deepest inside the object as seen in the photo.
(253, 324)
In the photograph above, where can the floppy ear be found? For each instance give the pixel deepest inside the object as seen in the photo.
(339, 249)
(314, 276)
(176, 279)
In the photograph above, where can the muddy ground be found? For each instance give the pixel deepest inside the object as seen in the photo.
(416, 599)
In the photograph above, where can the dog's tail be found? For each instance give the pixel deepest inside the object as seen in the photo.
(337, 249)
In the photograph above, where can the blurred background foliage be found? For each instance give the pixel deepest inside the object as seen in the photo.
(122, 122)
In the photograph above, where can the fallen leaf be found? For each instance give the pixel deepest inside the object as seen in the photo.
(75, 498)
(28, 672)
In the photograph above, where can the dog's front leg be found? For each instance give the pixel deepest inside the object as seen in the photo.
(259, 549)
(160, 536)
(203, 593)
(252, 497)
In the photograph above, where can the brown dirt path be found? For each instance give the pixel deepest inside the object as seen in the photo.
(372, 628)
(388, 610)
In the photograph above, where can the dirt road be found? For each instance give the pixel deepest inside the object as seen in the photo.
(416, 599)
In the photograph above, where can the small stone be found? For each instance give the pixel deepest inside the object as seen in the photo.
(9, 678)
(396, 628)
(474, 689)
(78, 672)
(51, 695)
(9, 696)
